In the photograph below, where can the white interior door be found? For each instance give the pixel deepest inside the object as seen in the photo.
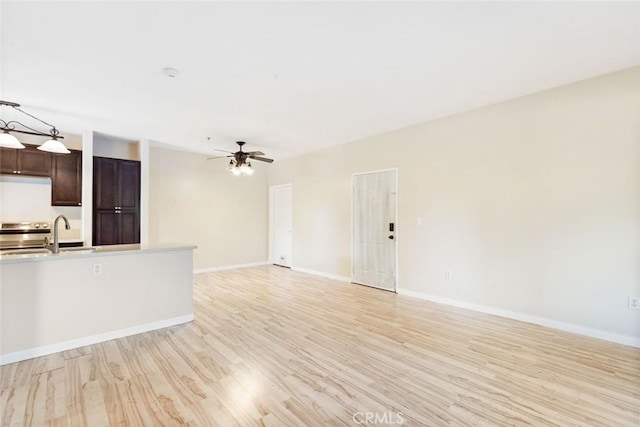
(374, 229)
(281, 225)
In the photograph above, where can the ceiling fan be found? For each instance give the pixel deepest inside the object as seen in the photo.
(239, 162)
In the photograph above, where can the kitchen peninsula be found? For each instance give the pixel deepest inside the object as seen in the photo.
(82, 296)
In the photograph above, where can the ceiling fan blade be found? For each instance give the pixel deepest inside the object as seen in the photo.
(261, 159)
(218, 157)
(224, 151)
(255, 153)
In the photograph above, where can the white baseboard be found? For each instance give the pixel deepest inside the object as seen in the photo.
(321, 274)
(542, 321)
(93, 339)
(229, 267)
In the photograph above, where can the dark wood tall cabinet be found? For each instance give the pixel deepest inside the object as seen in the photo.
(116, 201)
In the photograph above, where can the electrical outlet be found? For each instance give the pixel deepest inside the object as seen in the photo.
(634, 302)
(419, 220)
(448, 274)
(97, 269)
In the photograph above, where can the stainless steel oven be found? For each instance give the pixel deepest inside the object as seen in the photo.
(23, 235)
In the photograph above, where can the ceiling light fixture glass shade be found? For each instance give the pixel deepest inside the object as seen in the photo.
(54, 146)
(14, 126)
(9, 141)
(240, 169)
(249, 170)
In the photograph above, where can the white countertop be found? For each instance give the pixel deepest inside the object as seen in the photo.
(95, 251)
(78, 240)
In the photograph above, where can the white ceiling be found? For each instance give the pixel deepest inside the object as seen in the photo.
(292, 77)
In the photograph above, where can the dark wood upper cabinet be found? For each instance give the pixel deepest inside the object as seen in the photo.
(34, 162)
(129, 185)
(8, 160)
(66, 179)
(116, 201)
(105, 182)
(28, 161)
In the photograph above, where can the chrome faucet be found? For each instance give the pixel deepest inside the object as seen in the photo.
(55, 246)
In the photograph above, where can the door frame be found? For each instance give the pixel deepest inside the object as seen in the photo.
(271, 219)
(397, 232)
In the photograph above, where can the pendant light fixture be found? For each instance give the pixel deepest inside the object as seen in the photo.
(8, 127)
(9, 141)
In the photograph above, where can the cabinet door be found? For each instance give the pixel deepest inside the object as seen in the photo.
(34, 162)
(66, 179)
(129, 227)
(106, 230)
(104, 183)
(9, 160)
(129, 184)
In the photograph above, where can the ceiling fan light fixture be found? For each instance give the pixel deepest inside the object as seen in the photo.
(9, 141)
(249, 170)
(239, 163)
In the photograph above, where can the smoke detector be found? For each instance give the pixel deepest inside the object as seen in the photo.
(170, 72)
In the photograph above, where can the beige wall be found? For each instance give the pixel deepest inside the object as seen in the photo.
(533, 204)
(196, 201)
(113, 147)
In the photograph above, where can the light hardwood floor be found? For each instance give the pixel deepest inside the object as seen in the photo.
(274, 347)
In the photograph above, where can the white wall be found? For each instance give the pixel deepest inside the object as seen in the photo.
(533, 204)
(195, 201)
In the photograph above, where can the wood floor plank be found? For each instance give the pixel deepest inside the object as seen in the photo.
(273, 347)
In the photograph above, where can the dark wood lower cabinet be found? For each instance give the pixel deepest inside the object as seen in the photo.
(116, 201)
(115, 227)
(129, 227)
